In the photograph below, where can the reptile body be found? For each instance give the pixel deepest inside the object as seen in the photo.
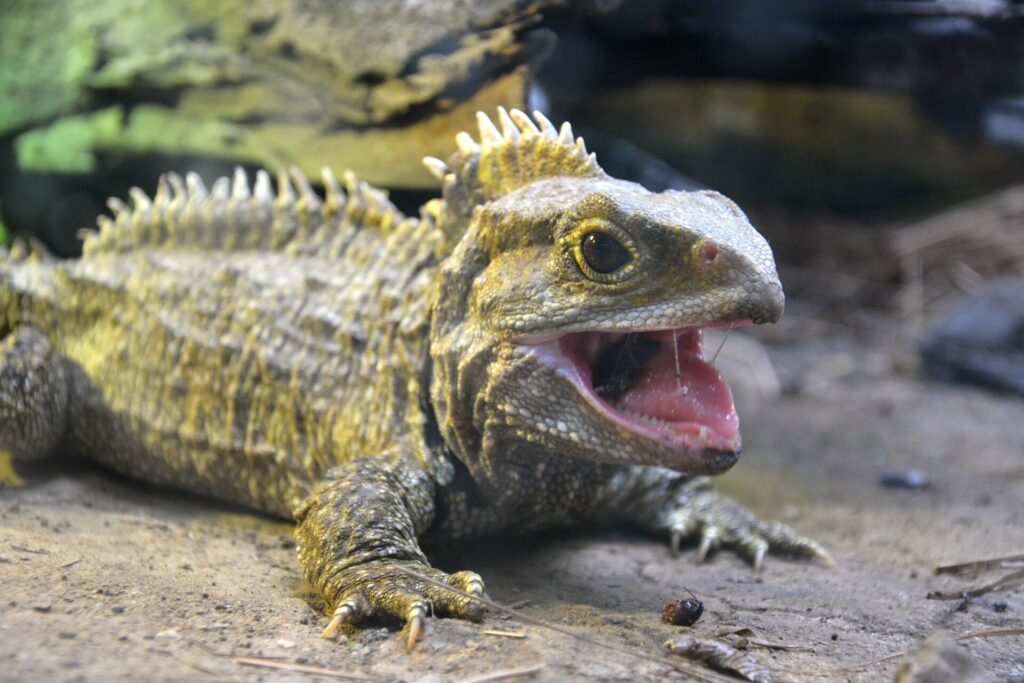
(525, 353)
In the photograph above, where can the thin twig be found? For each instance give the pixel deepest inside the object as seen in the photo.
(271, 663)
(746, 633)
(997, 633)
(504, 634)
(69, 565)
(34, 551)
(1011, 579)
(675, 348)
(193, 665)
(505, 675)
(304, 668)
(724, 339)
(700, 674)
(778, 646)
(864, 665)
(978, 565)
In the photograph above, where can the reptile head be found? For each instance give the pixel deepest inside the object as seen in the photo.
(573, 306)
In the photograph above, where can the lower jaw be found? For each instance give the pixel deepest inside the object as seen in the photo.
(717, 462)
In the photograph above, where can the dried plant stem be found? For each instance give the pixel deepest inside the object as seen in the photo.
(1011, 579)
(724, 339)
(979, 565)
(997, 633)
(304, 668)
(505, 675)
(675, 347)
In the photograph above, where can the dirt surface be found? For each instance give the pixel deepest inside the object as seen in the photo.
(102, 578)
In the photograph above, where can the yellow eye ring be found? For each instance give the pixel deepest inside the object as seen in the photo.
(603, 252)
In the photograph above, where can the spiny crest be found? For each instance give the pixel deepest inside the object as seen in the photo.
(232, 215)
(522, 151)
(22, 250)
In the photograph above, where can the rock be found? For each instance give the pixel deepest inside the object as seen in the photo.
(940, 660)
(374, 85)
(982, 341)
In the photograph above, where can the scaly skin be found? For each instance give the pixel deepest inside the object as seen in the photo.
(386, 380)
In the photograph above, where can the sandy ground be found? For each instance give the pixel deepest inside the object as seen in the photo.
(102, 578)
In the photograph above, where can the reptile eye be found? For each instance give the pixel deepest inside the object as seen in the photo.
(603, 253)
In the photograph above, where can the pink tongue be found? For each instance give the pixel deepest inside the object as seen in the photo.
(700, 396)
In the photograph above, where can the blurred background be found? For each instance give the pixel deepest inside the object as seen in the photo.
(879, 145)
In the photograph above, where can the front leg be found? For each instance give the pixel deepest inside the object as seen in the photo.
(685, 507)
(357, 542)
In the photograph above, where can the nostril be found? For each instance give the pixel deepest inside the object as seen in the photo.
(708, 253)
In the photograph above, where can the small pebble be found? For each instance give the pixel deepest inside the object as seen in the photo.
(914, 480)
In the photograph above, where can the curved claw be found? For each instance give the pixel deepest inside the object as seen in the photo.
(823, 555)
(345, 612)
(708, 540)
(475, 586)
(415, 619)
(781, 536)
(675, 541)
(760, 551)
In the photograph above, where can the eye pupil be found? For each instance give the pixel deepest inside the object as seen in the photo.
(603, 253)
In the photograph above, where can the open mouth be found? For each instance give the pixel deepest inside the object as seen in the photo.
(654, 383)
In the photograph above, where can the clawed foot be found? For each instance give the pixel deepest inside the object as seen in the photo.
(408, 591)
(719, 521)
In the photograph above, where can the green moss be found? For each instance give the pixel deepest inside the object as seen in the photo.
(68, 145)
(46, 50)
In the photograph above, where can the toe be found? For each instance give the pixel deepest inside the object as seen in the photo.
(752, 547)
(784, 540)
(350, 609)
(415, 617)
(467, 582)
(461, 601)
(709, 540)
(684, 525)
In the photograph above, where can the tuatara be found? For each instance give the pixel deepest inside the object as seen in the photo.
(526, 353)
